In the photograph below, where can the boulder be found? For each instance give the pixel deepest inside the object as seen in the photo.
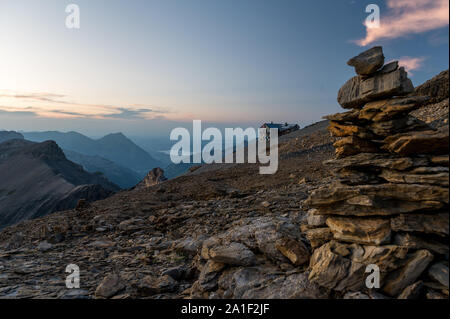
(267, 282)
(439, 273)
(358, 90)
(294, 250)
(233, 254)
(109, 286)
(342, 267)
(412, 291)
(399, 280)
(368, 62)
(152, 285)
(371, 231)
(318, 236)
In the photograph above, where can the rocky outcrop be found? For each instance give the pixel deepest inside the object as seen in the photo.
(389, 205)
(154, 177)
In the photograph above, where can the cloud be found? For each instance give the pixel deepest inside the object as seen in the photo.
(4, 110)
(51, 105)
(406, 17)
(410, 63)
(127, 113)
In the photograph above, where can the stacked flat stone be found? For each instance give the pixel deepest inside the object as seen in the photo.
(389, 204)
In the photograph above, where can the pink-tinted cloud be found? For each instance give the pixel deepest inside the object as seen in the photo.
(410, 63)
(406, 17)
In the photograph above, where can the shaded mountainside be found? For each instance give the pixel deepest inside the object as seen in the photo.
(119, 175)
(9, 135)
(114, 147)
(37, 179)
(219, 231)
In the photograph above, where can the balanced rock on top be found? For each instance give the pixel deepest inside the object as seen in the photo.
(368, 62)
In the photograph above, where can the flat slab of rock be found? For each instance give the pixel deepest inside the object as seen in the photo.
(439, 272)
(416, 242)
(382, 199)
(368, 62)
(388, 109)
(424, 223)
(374, 231)
(294, 250)
(232, 254)
(358, 91)
(413, 143)
(408, 274)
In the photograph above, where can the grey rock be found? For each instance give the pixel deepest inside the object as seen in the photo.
(439, 272)
(368, 62)
(358, 91)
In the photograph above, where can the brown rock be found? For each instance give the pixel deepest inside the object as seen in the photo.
(424, 223)
(425, 142)
(412, 291)
(342, 267)
(154, 177)
(384, 110)
(352, 145)
(294, 250)
(109, 286)
(383, 199)
(406, 123)
(408, 274)
(416, 242)
(368, 62)
(367, 160)
(358, 91)
(152, 285)
(373, 231)
(342, 130)
(345, 117)
(318, 236)
(392, 176)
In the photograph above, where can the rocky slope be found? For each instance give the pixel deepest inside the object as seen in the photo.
(224, 231)
(37, 179)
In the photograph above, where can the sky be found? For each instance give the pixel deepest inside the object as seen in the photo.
(142, 67)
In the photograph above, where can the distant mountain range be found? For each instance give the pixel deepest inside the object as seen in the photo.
(122, 176)
(38, 179)
(116, 148)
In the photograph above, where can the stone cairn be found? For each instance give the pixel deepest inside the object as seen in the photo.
(389, 204)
